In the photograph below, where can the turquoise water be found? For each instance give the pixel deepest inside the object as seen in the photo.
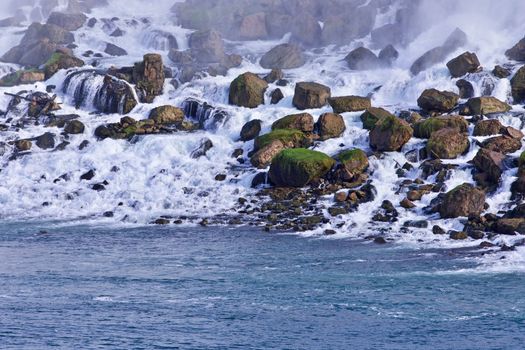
(217, 288)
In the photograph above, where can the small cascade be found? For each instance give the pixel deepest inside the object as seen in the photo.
(159, 40)
(208, 117)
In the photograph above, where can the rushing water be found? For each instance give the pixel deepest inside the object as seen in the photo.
(209, 288)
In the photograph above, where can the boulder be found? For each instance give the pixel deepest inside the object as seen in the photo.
(432, 100)
(517, 52)
(487, 127)
(517, 84)
(61, 60)
(463, 200)
(425, 128)
(447, 143)
(46, 141)
(302, 121)
(362, 59)
(263, 157)
(466, 90)
(275, 75)
(22, 77)
(390, 134)
(372, 115)
(487, 105)
(345, 104)
(283, 56)
(501, 72)
(306, 30)
(291, 138)
(166, 115)
(149, 77)
(388, 55)
(68, 21)
(490, 163)
(351, 164)
(205, 145)
(330, 125)
(207, 46)
(510, 226)
(247, 90)
(502, 144)
(465, 63)
(53, 33)
(310, 95)
(253, 27)
(276, 96)
(251, 130)
(114, 50)
(74, 127)
(298, 167)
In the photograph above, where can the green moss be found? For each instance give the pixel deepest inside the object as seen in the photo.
(372, 115)
(54, 59)
(130, 131)
(425, 128)
(521, 160)
(13, 79)
(287, 136)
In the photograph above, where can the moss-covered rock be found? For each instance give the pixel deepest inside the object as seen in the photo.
(351, 164)
(166, 115)
(301, 121)
(344, 104)
(425, 128)
(372, 115)
(447, 144)
(22, 77)
(433, 100)
(463, 200)
(298, 167)
(247, 90)
(390, 134)
(61, 60)
(291, 138)
(487, 105)
(518, 85)
(487, 127)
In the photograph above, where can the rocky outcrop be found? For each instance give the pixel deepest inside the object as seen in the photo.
(425, 128)
(148, 76)
(463, 200)
(390, 134)
(310, 95)
(486, 105)
(247, 90)
(283, 56)
(345, 104)
(432, 100)
(303, 122)
(465, 63)
(447, 144)
(330, 125)
(372, 115)
(298, 167)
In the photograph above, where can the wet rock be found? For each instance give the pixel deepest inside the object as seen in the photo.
(350, 165)
(114, 50)
(310, 95)
(502, 144)
(487, 127)
(117, 33)
(465, 63)
(22, 77)
(167, 115)
(74, 127)
(432, 100)
(274, 75)
(464, 200)
(380, 240)
(330, 125)
(388, 55)
(487, 105)
(68, 21)
(149, 77)
(362, 59)
(46, 141)
(491, 164)
(447, 143)
(23, 145)
(283, 56)
(276, 96)
(514, 133)
(89, 175)
(372, 115)
(253, 27)
(298, 167)
(518, 86)
(247, 90)
(264, 156)
(517, 52)
(61, 60)
(291, 138)
(416, 223)
(438, 230)
(501, 72)
(427, 127)
(457, 235)
(302, 121)
(407, 204)
(345, 104)
(207, 45)
(390, 134)
(466, 90)
(204, 147)
(251, 130)
(507, 226)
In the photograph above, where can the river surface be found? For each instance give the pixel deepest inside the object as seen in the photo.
(86, 287)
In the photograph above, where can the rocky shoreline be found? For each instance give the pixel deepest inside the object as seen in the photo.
(297, 187)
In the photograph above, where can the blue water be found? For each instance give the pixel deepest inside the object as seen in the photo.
(215, 288)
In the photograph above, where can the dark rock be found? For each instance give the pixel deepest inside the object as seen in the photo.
(74, 127)
(114, 50)
(273, 76)
(204, 147)
(501, 72)
(502, 144)
(465, 63)
(251, 130)
(466, 90)
(433, 100)
(276, 96)
(362, 59)
(517, 52)
(506, 226)
(487, 127)
(46, 141)
(388, 55)
(447, 143)
(489, 163)
(463, 200)
(390, 134)
(88, 176)
(518, 86)
(306, 30)
(68, 21)
(310, 95)
(438, 230)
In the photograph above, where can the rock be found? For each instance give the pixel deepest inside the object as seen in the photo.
(23, 145)
(204, 147)
(275, 75)
(253, 27)
(46, 141)
(501, 72)
(310, 95)
(149, 77)
(458, 235)
(514, 133)
(432, 100)
(114, 50)
(251, 130)
(345, 104)
(487, 127)
(247, 90)
(207, 46)
(22, 77)
(518, 86)
(466, 90)
(298, 167)
(330, 125)
(117, 33)
(351, 164)
(487, 105)
(264, 156)
(284, 56)
(390, 134)
(490, 164)
(306, 30)
(166, 115)
(502, 144)
(115, 96)
(61, 60)
(302, 121)
(465, 63)
(388, 55)
(506, 226)
(362, 59)
(372, 115)
(447, 144)
(380, 240)
(424, 129)
(88, 176)
(464, 200)
(68, 21)
(407, 204)
(291, 138)
(92, 22)
(438, 230)
(276, 96)
(74, 127)
(517, 52)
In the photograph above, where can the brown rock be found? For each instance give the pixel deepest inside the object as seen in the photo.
(487, 127)
(447, 143)
(390, 134)
(506, 226)
(166, 115)
(310, 95)
(253, 27)
(301, 121)
(349, 103)
(502, 144)
(463, 200)
(465, 63)
(432, 100)
(247, 90)
(330, 125)
(149, 77)
(487, 105)
(489, 163)
(263, 157)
